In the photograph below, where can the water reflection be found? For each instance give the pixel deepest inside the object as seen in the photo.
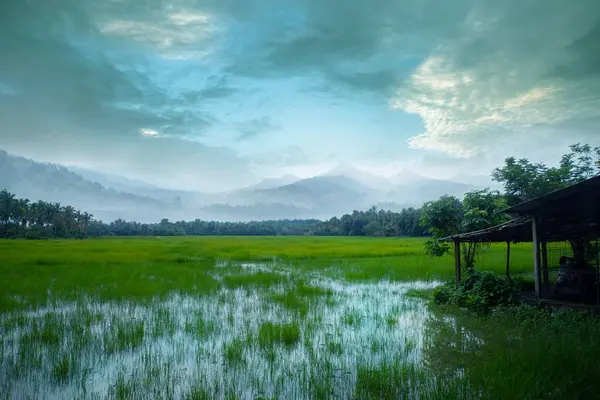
(216, 345)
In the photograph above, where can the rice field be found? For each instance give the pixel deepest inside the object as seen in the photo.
(222, 317)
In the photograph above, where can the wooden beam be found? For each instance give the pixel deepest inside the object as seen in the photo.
(457, 260)
(508, 261)
(535, 222)
(546, 279)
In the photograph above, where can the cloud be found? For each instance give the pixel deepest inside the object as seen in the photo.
(251, 129)
(496, 81)
(467, 77)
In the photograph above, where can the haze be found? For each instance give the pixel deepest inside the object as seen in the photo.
(214, 96)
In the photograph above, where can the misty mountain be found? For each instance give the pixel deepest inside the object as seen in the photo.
(56, 183)
(320, 194)
(111, 181)
(270, 183)
(110, 197)
(365, 178)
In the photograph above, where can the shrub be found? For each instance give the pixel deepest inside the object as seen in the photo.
(479, 291)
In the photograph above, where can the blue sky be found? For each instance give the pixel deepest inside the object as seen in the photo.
(211, 95)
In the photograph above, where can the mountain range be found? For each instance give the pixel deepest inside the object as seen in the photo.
(110, 196)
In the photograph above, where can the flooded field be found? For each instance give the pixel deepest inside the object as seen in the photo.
(270, 331)
(261, 318)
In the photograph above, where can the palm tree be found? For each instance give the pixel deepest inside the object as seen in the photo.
(7, 204)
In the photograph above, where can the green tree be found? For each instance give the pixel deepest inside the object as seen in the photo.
(448, 216)
(524, 180)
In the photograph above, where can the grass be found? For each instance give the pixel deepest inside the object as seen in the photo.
(234, 352)
(270, 334)
(141, 268)
(519, 353)
(309, 317)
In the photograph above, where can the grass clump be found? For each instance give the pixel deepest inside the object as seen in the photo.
(478, 291)
(301, 296)
(270, 334)
(234, 352)
(62, 369)
(123, 335)
(352, 318)
(199, 327)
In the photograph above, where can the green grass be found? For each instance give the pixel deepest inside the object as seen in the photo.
(142, 268)
(523, 352)
(234, 352)
(160, 300)
(270, 334)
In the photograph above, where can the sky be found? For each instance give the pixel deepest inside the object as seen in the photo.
(210, 95)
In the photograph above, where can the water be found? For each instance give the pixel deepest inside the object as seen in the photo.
(212, 345)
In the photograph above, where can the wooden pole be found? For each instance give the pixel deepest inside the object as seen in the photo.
(457, 260)
(508, 261)
(536, 254)
(545, 266)
(597, 274)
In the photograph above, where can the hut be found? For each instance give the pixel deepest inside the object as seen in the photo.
(564, 227)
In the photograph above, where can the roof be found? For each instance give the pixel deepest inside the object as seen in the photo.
(519, 230)
(516, 230)
(580, 201)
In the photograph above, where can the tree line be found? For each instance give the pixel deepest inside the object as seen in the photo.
(20, 218)
(449, 215)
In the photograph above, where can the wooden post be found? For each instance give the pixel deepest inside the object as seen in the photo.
(597, 274)
(457, 260)
(508, 261)
(545, 267)
(536, 254)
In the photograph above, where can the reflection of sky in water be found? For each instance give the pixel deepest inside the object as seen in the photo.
(384, 325)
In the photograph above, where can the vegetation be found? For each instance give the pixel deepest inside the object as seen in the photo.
(480, 209)
(518, 352)
(524, 180)
(22, 218)
(140, 268)
(478, 291)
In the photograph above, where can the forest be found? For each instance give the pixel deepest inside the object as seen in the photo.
(521, 178)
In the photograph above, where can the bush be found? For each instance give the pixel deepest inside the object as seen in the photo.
(479, 291)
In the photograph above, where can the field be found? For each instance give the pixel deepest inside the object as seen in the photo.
(253, 317)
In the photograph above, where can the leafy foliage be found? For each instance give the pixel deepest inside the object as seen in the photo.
(524, 180)
(479, 291)
(449, 216)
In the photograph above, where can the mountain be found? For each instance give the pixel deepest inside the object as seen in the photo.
(270, 183)
(56, 183)
(113, 181)
(320, 194)
(365, 178)
(109, 197)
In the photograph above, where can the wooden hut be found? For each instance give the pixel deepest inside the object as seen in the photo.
(569, 217)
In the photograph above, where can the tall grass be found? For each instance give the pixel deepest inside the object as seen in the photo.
(142, 268)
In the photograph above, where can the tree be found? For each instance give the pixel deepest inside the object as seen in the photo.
(524, 180)
(7, 204)
(448, 216)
